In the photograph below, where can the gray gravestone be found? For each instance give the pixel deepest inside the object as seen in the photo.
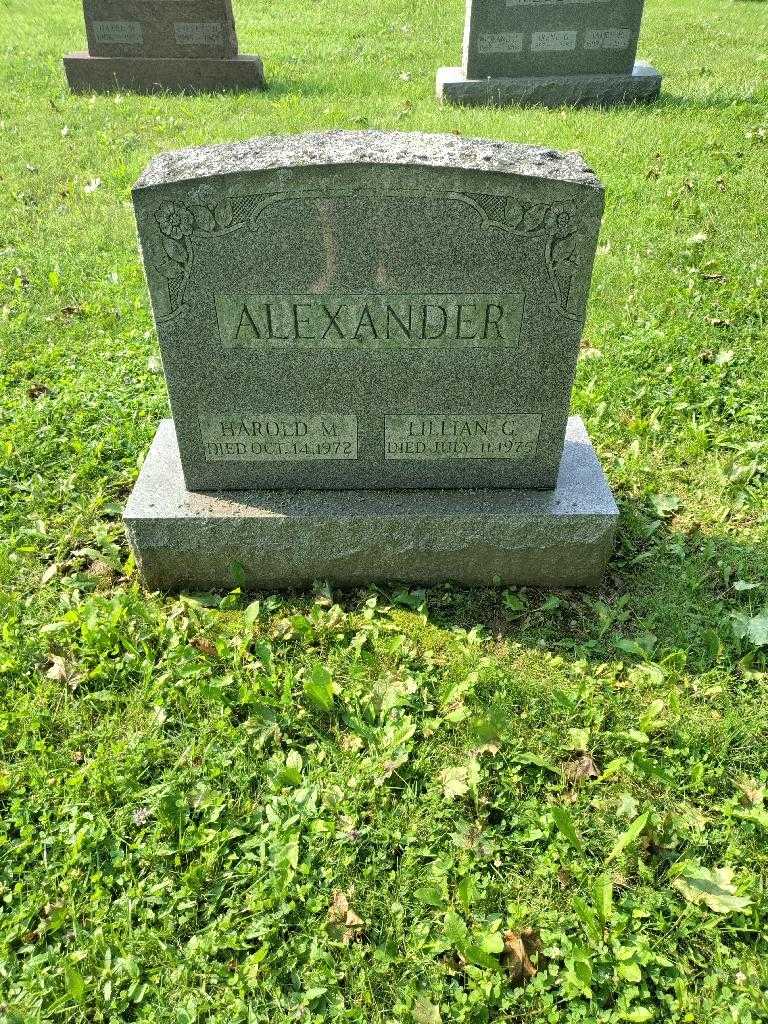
(550, 51)
(284, 539)
(154, 45)
(374, 323)
(369, 310)
(160, 28)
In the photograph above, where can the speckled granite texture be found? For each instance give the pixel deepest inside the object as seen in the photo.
(149, 46)
(369, 148)
(520, 38)
(160, 28)
(551, 53)
(86, 74)
(266, 540)
(642, 85)
(369, 310)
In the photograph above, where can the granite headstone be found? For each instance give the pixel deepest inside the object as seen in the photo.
(552, 52)
(369, 341)
(160, 28)
(357, 310)
(158, 45)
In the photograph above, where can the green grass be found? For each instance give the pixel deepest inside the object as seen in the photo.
(188, 786)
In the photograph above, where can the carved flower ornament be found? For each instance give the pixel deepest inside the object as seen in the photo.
(175, 221)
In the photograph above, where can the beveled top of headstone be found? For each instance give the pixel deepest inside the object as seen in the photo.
(339, 148)
(521, 38)
(160, 28)
(369, 309)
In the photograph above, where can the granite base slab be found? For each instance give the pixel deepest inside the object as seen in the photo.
(86, 74)
(285, 540)
(643, 85)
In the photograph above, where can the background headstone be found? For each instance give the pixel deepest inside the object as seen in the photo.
(355, 310)
(369, 341)
(159, 45)
(160, 28)
(550, 51)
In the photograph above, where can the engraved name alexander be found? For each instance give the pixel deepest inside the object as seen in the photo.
(258, 321)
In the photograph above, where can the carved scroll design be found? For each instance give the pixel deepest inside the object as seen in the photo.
(554, 223)
(178, 222)
(173, 255)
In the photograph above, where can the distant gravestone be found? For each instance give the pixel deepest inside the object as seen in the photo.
(345, 313)
(551, 52)
(155, 45)
(160, 28)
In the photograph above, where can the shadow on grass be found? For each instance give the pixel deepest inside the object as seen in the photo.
(669, 592)
(672, 101)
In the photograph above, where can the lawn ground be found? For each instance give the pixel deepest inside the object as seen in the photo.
(335, 806)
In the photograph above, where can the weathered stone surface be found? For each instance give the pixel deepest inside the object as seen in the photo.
(535, 38)
(148, 46)
(641, 86)
(369, 310)
(550, 52)
(87, 74)
(160, 28)
(283, 539)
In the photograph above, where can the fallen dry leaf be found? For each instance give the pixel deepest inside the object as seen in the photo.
(354, 932)
(49, 573)
(102, 572)
(579, 769)
(520, 950)
(565, 878)
(588, 352)
(58, 671)
(38, 391)
(339, 908)
(491, 749)
(752, 794)
(205, 646)
(351, 742)
(343, 921)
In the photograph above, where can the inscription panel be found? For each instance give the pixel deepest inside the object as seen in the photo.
(265, 321)
(607, 38)
(461, 437)
(258, 437)
(544, 42)
(199, 33)
(128, 33)
(160, 28)
(500, 42)
(552, 3)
